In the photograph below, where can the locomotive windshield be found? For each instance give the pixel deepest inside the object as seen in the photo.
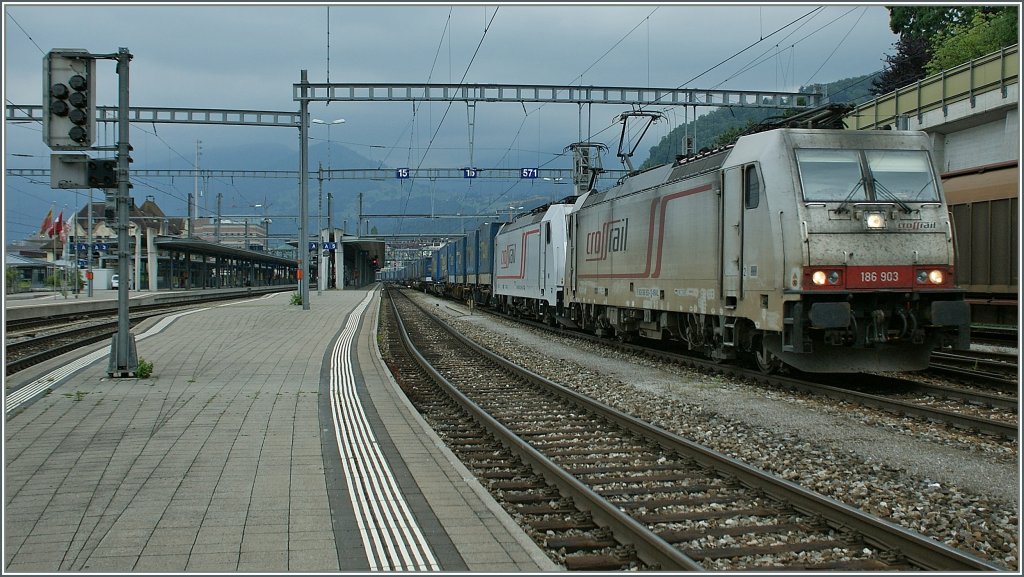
(902, 175)
(829, 175)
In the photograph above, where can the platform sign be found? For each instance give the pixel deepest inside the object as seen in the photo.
(81, 247)
(312, 246)
(468, 173)
(100, 246)
(401, 173)
(330, 245)
(527, 173)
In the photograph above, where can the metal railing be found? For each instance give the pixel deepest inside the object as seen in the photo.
(994, 71)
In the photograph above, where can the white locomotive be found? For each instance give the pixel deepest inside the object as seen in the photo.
(828, 250)
(529, 263)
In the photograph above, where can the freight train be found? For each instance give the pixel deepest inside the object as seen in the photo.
(825, 250)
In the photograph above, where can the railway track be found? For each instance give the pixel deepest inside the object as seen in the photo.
(904, 397)
(997, 370)
(913, 399)
(602, 490)
(995, 335)
(22, 354)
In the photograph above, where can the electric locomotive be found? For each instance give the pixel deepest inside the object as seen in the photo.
(828, 250)
(529, 261)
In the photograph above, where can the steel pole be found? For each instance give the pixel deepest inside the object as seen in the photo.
(304, 193)
(330, 237)
(123, 359)
(320, 226)
(88, 234)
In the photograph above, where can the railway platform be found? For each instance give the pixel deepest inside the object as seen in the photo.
(268, 439)
(30, 306)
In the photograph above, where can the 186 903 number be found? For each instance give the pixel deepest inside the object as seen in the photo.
(889, 276)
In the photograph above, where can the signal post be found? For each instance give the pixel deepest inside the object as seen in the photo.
(69, 123)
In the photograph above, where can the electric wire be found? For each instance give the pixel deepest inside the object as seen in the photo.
(29, 36)
(447, 109)
(578, 77)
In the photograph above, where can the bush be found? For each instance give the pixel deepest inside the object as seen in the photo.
(144, 370)
(296, 298)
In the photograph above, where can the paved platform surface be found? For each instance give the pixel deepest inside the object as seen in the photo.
(227, 458)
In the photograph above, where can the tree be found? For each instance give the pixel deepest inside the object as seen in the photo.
(924, 22)
(11, 279)
(934, 38)
(984, 33)
(731, 134)
(905, 67)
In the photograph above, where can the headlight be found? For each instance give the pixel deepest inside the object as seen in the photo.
(821, 278)
(874, 220)
(931, 276)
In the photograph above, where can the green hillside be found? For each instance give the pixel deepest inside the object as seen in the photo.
(723, 121)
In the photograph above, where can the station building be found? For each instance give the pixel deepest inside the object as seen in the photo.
(216, 255)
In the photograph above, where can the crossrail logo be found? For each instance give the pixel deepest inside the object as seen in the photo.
(917, 225)
(508, 256)
(610, 238)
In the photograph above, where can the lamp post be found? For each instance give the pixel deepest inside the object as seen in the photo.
(265, 221)
(510, 211)
(328, 124)
(556, 180)
(320, 202)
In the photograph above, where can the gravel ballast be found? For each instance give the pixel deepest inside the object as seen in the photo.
(957, 487)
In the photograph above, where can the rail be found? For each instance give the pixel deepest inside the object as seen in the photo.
(920, 551)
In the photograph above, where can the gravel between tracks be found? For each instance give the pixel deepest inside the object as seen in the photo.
(959, 488)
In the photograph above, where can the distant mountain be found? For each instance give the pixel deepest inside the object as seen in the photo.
(721, 120)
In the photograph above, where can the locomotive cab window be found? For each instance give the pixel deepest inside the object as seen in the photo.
(902, 175)
(830, 175)
(751, 187)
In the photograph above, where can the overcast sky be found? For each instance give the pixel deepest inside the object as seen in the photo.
(248, 57)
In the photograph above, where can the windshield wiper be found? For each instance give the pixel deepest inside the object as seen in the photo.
(849, 197)
(880, 188)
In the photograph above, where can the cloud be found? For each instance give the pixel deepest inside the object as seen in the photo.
(248, 57)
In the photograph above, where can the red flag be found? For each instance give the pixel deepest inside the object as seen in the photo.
(47, 223)
(58, 225)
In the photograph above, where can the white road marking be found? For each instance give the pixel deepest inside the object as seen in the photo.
(391, 538)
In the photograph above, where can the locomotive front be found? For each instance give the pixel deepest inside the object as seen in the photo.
(876, 289)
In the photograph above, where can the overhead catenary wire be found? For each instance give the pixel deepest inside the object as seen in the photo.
(766, 55)
(27, 35)
(448, 108)
(838, 44)
(578, 77)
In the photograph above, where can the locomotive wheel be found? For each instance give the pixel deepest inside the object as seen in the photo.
(767, 362)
